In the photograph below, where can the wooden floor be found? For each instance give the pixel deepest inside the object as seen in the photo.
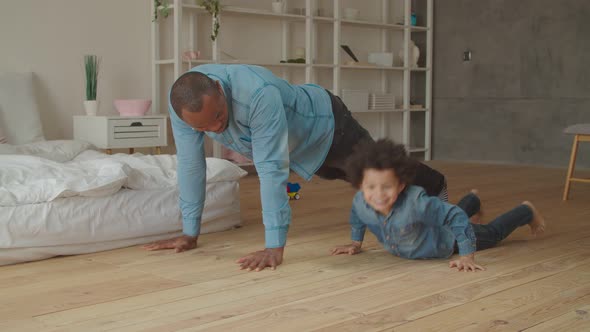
(530, 284)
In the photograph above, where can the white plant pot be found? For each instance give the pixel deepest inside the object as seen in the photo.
(91, 107)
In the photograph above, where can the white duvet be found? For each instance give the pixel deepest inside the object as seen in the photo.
(62, 198)
(45, 171)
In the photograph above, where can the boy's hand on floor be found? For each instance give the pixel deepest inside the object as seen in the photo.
(259, 260)
(466, 263)
(350, 249)
(181, 243)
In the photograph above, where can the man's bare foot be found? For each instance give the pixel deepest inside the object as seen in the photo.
(478, 217)
(537, 224)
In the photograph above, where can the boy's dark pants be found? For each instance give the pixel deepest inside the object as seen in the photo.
(348, 133)
(489, 235)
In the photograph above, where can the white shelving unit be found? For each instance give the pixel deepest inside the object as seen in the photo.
(321, 36)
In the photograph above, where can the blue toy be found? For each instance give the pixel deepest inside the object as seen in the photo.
(293, 190)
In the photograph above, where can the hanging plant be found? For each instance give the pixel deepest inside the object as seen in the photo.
(213, 7)
(161, 7)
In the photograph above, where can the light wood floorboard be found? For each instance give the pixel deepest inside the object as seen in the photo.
(531, 284)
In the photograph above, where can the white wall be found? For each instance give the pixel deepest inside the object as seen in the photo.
(50, 39)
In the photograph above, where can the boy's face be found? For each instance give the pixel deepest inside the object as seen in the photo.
(381, 188)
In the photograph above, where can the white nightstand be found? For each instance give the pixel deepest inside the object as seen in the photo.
(116, 132)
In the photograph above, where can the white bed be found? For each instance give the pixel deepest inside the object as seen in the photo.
(62, 198)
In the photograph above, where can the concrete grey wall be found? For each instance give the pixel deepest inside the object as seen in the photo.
(529, 78)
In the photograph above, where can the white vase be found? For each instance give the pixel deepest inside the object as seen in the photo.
(91, 107)
(278, 7)
(414, 55)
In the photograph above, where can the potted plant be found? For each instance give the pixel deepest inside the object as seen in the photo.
(91, 66)
(213, 7)
(161, 7)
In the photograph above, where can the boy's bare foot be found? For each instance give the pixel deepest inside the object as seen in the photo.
(477, 218)
(537, 224)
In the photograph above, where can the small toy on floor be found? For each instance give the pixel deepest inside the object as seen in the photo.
(293, 190)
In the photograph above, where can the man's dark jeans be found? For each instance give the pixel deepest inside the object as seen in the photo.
(348, 133)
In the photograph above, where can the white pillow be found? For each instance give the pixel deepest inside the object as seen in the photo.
(221, 170)
(18, 109)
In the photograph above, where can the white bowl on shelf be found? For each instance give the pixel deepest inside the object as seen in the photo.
(351, 14)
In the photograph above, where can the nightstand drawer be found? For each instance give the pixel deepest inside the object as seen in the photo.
(110, 132)
(137, 122)
(138, 132)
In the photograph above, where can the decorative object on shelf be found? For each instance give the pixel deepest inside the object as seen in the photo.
(298, 11)
(161, 8)
(91, 67)
(351, 13)
(298, 60)
(414, 54)
(413, 19)
(214, 8)
(413, 105)
(132, 107)
(293, 190)
(356, 100)
(381, 58)
(349, 52)
(381, 101)
(278, 6)
(300, 52)
(191, 55)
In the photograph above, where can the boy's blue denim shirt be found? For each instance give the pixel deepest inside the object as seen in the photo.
(275, 124)
(418, 227)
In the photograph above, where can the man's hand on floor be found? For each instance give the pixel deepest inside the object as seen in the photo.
(259, 260)
(181, 243)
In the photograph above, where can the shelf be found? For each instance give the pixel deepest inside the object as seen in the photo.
(419, 29)
(295, 65)
(324, 65)
(248, 62)
(235, 11)
(374, 24)
(370, 67)
(291, 29)
(324, 19)
(395, 110)
(164, 62)
(422, 109)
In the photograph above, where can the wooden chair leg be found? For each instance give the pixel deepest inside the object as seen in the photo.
(570, 170)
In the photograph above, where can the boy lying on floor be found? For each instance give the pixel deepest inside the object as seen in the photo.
(411, 224)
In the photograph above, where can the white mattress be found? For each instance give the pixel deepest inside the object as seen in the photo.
(79, 225)
(63, 224)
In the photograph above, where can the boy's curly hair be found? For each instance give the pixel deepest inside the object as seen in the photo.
(383, 154)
